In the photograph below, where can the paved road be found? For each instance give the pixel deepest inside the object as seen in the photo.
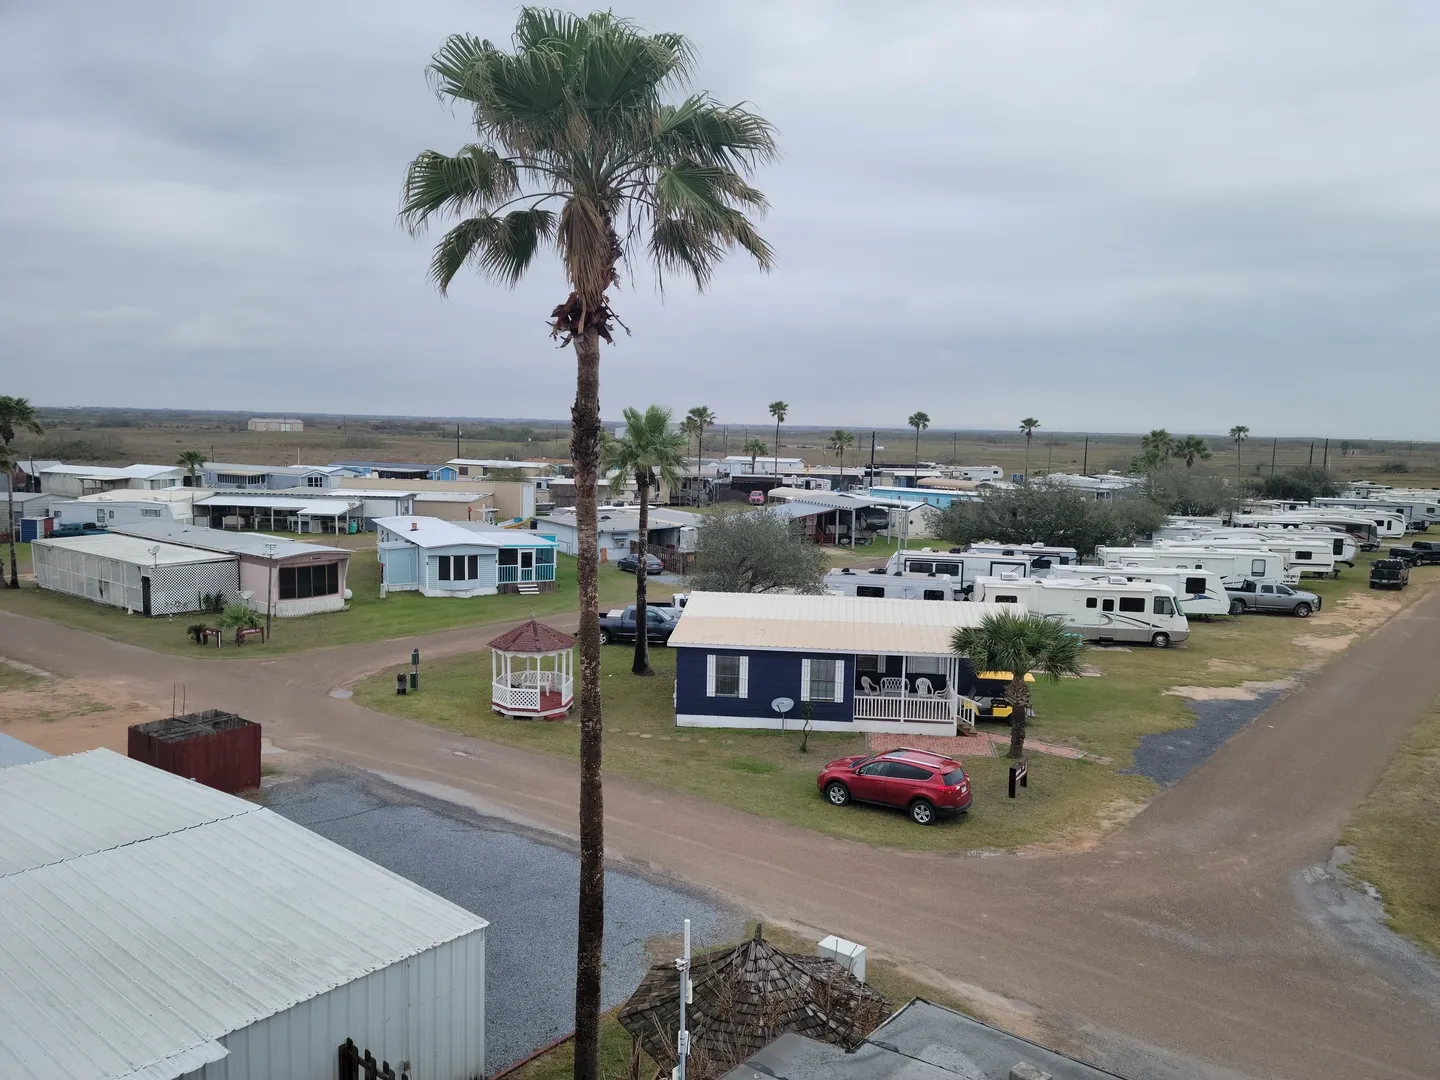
(1177, 948)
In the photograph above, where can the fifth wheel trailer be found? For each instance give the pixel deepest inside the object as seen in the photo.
(1233, 566)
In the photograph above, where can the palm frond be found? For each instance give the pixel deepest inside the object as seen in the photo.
(701, 129)
(477, 178)
(500, 247)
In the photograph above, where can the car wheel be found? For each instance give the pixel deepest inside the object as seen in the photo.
(1302, 611)
(604, 637)
(1237, 607)
(922, 812)
(1161, 641)
(837, 793)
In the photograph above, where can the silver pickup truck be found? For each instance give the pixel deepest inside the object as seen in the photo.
(1264, 596)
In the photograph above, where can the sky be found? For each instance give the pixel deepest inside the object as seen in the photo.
(1112, 216)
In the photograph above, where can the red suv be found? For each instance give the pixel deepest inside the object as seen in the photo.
(926, 785)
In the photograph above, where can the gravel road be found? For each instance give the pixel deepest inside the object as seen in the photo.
(1168, 756)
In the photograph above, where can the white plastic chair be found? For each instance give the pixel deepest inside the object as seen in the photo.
(867, 685)
(924, 688)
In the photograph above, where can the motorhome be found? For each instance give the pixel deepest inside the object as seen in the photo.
(1098, 609)
(1365, 532)
(963, 567)
(1234, 566)
(1200, 592)
(1310, 553)
(1058, 556)
(880, 584)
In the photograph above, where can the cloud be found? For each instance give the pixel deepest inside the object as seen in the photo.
(1115, 216)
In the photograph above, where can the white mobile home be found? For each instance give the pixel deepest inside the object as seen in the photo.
(1098, 609)
(1234, 566)
(134, 574)
(1200, 592)
(461, 559)
(962, 567)
(880, 584)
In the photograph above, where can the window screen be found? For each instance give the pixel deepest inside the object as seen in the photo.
(472, 567)
(302, 582)
(1132, 603)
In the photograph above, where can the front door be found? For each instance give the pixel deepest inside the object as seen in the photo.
(145, 595)
(527, 564)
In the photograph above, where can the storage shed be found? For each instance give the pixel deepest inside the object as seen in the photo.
(214, 748)
(138, 575)
(206, 937)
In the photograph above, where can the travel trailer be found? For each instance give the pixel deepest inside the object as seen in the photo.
(1098, 609)
(1058, 556)
(963, 567)
(1365, 532)
(1419, 512)
(1200, 592)
(880, 584)
(1309, 556)
(1234, 566)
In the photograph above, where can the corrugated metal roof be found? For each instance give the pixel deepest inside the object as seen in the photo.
(132, 960)
(133, 549)
(327, 506)
(832, 500)
(429, 532)
(234, 543)
(826, 623)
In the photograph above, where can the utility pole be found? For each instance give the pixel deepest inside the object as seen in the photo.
(457, 440)
(269, 586)
(1274, 446)
(682, 1037)
(954, 446)
(1325, 460)
(1085, 466)
(872, 458)
(1312, 452)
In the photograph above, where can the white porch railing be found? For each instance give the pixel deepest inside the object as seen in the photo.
(942, 709)
(523, 688)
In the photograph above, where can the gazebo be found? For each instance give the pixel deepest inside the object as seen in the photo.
(522, 683)
(744, 998)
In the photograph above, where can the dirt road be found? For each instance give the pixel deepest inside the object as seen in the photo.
(1178, 947)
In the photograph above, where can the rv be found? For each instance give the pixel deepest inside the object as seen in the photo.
(1200, 592)
(1098, 609)
(1365, 532)
(902, 586)
(1419, 512)
(1309, 556)
(1234, 566)
(1058, 556)
(963, 567)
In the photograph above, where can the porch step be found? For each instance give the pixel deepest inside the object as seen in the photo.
(528, 588)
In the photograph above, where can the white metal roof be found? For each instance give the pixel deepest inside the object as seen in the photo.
(133, 549)
(321, 506)
(133, 958)
(106, 472)
(825, 623)
(829, 500)
(166, 495)
(429, 532)
(500, 463)
(447, 496)
(232, 543)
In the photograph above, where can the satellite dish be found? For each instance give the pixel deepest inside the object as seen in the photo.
(782, 705)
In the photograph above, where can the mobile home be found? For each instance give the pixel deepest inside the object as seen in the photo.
(879, 584)
(1200, 592)
(1098, 609)
(962, 567)
(1234, 566)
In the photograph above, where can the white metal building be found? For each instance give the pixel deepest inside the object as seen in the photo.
(138, 575)
(155, 928)
(275, 423)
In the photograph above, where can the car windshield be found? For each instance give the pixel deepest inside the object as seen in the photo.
(953, 777)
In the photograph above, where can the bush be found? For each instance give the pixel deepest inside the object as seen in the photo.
(1394, 467)
(197, 632)
(239, 617)
(1300, 484)
(755, 551)
(1053, 515)
(1183, 491)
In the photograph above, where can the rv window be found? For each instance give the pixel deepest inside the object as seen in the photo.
(1194, 585)
(1339, 547)
(1091, 602)
(934, 594)
(822, 680)
(1108, 605)
(948, 568)
(1257, 567)
(1302, 555)
(1007, 599)
(1132, 603)
(870, 590)
(1163, 606)
(921, 567)
(727, 676)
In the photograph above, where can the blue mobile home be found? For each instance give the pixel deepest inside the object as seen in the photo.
(461, 558)
(859, 664)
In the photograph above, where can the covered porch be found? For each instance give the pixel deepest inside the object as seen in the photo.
(900, 693)
(532, 672)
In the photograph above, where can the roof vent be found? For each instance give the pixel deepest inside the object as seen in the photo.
(414, 526)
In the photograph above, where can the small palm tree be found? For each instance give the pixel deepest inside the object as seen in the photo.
(754, 447)
(16, 415)
(1019, 643)
(1027, 428)
(653, 452)
(919, 421)
(1238, 434)
(840, 441)
(779, 410)
(192, 461)
(1190, 449)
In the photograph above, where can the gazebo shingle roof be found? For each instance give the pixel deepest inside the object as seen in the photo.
(746, 997)
(533, 637)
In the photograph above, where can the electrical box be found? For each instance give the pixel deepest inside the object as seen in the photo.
(845, 953)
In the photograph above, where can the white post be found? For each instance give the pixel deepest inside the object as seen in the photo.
(682, 1040)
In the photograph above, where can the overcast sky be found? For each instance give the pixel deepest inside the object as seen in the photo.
(1112, 216)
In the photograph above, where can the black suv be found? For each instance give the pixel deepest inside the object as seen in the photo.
(1389, 574)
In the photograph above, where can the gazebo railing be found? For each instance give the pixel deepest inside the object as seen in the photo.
(522, 689)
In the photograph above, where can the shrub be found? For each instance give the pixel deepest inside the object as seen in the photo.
(1300, 484)
(239, 617)
(755, 551)
(1394, 467)
(1049, 514)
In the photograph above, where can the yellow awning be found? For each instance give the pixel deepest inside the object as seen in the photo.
(1003, 676)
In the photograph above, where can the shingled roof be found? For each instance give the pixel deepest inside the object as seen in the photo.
(744, 998)
(532, 637)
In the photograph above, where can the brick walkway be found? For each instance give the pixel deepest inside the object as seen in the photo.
(982, 744)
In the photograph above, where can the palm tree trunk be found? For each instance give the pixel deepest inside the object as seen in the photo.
(917, 457)
(777, 449)
(1018, 695)
(1027, 457)
(10, 527)
(585, 453)
(641, 666)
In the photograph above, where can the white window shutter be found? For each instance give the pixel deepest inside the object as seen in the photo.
(710, 675)
(744, 676)
(840, 681)
(804, 680)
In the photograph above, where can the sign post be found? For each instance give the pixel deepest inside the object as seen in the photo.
(1019, 773)
(415, 669)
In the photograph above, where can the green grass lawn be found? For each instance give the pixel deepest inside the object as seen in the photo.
(1395, 836)
(765, 773)
(369, 618)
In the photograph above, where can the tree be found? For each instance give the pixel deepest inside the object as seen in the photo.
(1238, 434)
(192, 460)
(839, 442)
(1189, 449)
(1301, 484)
(16, 415)
(779, 410)
(919, 421)
(577, 149)
(1027, 428)
(1019, 644)
(698, 419)
(755, 551)
(652, 452)
(1048, 513)
(1178, 490)
(1155, 449)
(754, 447)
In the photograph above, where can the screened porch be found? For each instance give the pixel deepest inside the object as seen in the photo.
(912, 690)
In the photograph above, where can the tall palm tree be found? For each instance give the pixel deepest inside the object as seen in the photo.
(754, 447)
(779, 410)
(1238, 434)
(1027, 428)
(1006, 641)
(919, 421)
(840, 441)
(700, 418)
(1190, 449)
(16, 415)
(577, 148)
(192, 461)
(653, 452)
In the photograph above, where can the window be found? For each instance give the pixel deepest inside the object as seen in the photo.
(948, 568)
(934, 594)
(877, 768)
(509, 556)
(925, 665)
(1257, 567)
(302, 582)
(1091, 602)
(901, 771)
(920, 567)
(1194, 585)
(1268, 589)
(822, 680)
(149, 513)
(1132, 604)
(1011, 599)
(1281, 590)
(1339, 548)
(870, 590)
(1303, 555)
(444, 561)
(314, 481)
(464, 470)
(1108, 604)
(472, 567)
(953, 777)
(1163, 606)
(728, 676)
